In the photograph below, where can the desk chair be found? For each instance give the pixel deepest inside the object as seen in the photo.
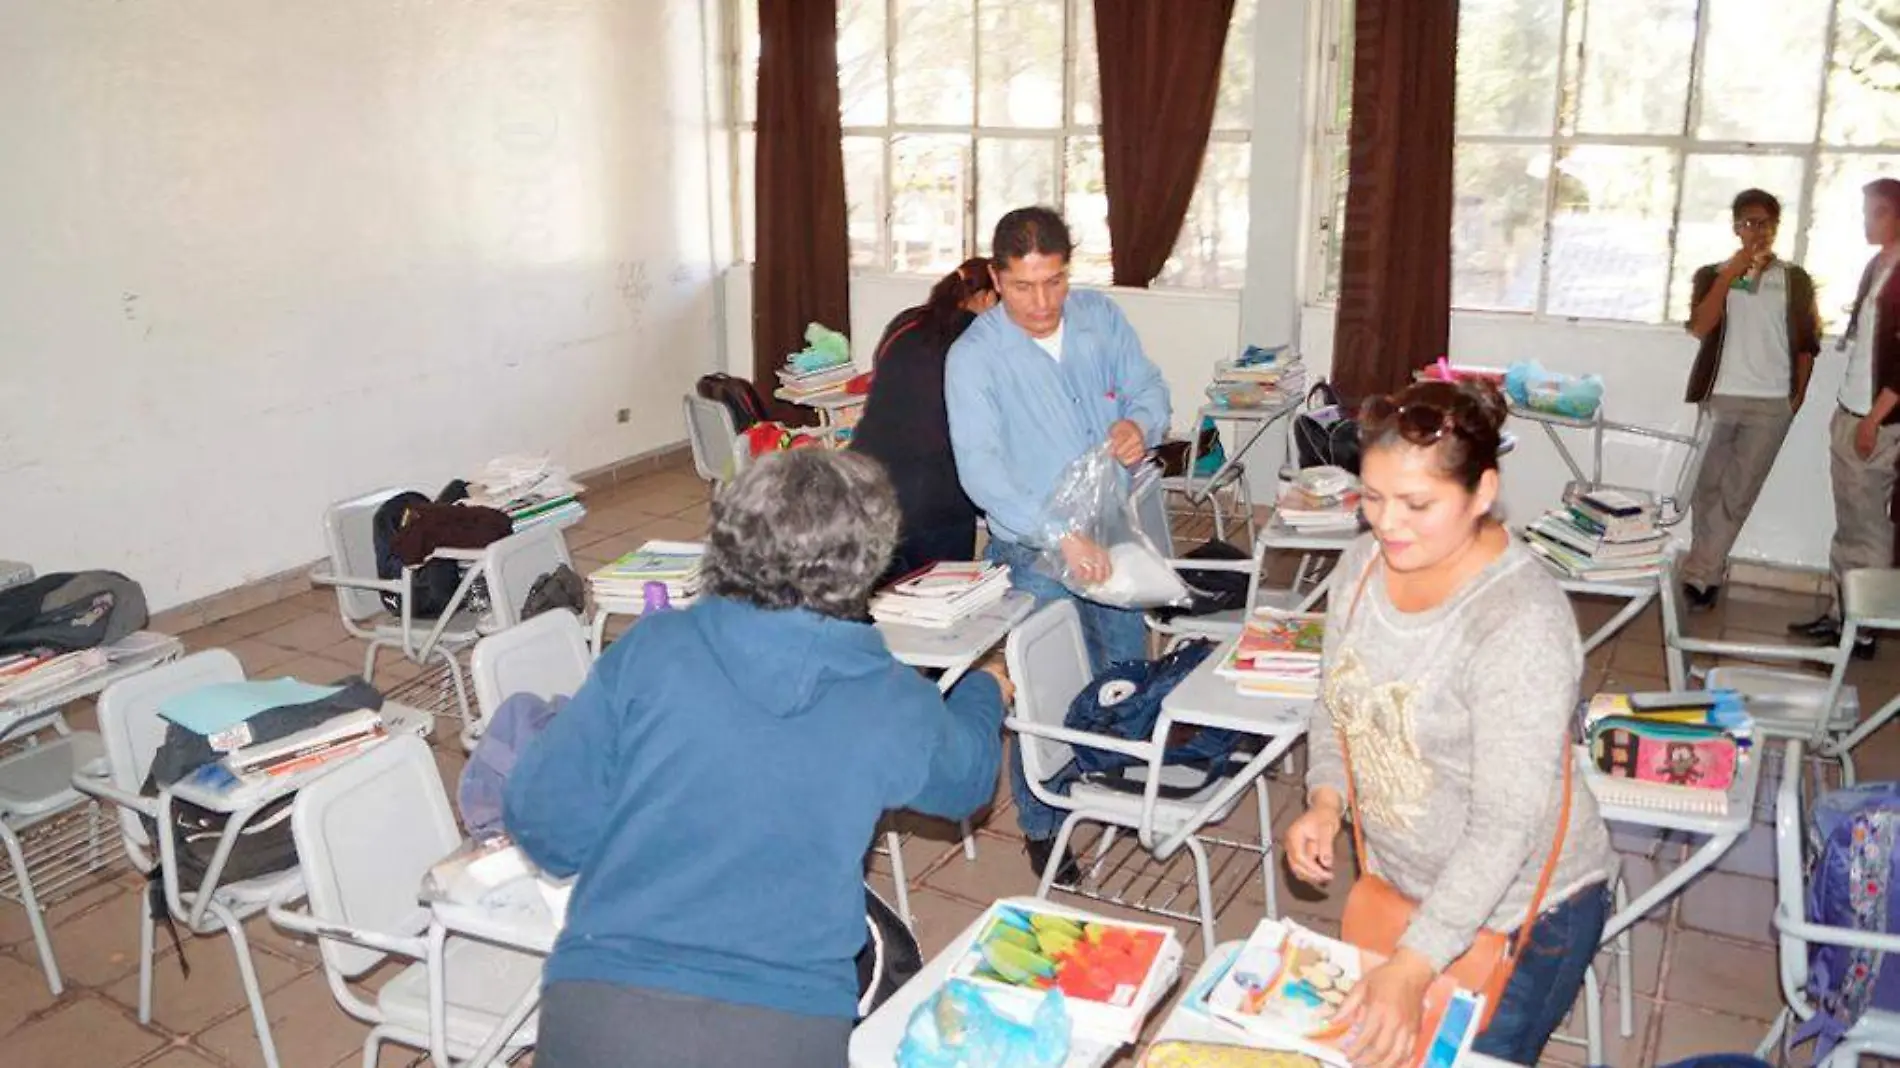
(133, 732)
(36, 787)
(546, 656)
(1877, 1031)
(717, 456)
(366, 835)
(1049, 663)
(508, 567)
(1820, 710)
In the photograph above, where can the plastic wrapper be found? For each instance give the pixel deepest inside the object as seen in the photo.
(1531, 386)
(1092, 499)
(824, 347)
(958, 1028)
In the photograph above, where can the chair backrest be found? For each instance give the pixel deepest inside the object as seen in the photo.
(546, 656)
(349, 532)
(1675, 660)
(512, 565)
(366, 835)
(1049, 663)
(132, 730)
(1151, 510)
(710, 432)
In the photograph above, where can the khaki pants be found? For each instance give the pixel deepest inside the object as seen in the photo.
(1742, 449)
(1863, 531)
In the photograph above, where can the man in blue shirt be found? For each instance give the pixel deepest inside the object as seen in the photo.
(1035, 382)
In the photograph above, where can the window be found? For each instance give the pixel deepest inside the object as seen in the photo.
(1599, 143)
(956, 111)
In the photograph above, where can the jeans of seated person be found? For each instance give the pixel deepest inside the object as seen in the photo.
(1111, 634)
(1544, 986)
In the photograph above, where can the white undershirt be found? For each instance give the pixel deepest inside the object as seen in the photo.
(1755, 339)
(1857, 389)
(1053, 343)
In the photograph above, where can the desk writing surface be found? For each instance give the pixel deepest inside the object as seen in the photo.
(1210, 700)
(954, 646)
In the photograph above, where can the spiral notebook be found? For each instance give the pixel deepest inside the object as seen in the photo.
(1611, 790)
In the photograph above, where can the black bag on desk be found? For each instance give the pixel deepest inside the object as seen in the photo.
(1326, 436)
(69, 611)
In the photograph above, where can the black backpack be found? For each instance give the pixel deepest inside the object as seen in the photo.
(890, 956)
(1210, 591)
(740, 397)
(1326, 436)
(434, 584)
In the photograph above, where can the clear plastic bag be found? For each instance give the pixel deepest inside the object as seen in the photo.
(958, 1028)
(1092, 500)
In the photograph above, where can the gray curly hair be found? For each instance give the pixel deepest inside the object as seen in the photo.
(809, 528)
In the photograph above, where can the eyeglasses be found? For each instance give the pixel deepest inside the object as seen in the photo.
(1757, 224)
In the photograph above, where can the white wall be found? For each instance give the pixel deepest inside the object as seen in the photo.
(258, 257)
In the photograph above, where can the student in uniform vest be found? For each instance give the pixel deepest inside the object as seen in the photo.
(1756, 319)
(1864, 436)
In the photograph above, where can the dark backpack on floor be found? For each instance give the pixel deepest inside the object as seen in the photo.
(740, 397)
(890, 956)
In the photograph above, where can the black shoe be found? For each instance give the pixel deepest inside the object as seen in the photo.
(1701, 599)
(1039, 850)
(1825, 627)
(1865, 647)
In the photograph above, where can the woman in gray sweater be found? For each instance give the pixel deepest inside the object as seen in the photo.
(1451, 671)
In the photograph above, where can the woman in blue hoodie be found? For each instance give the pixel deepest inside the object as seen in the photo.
(717, 780)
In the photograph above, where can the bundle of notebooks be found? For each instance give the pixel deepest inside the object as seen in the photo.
(806, 384)
(1601, 536)
(1670, 751)
(1112, 973)
(942, 595)
(1286, 986)
(674, 564)
(341, 736)
(25, 676)
(1277, 654)
(1278, 371)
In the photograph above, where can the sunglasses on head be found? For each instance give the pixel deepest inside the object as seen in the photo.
(1420, 423)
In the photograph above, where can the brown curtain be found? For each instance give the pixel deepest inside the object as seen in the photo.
(1395, 272)
(801, 274)
(1160, 72)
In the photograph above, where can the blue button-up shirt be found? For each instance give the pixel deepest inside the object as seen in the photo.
(1018, 417)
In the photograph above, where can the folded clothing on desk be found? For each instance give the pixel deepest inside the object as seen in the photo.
(264, 712)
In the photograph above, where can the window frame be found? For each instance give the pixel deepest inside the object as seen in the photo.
(1321, 285)
(1059, 138)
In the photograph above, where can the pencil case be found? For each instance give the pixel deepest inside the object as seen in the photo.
(1678, 754)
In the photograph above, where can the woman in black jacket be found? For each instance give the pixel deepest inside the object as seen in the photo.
(904, 426)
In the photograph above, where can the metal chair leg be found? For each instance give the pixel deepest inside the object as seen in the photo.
(894, 842)
(34, 917)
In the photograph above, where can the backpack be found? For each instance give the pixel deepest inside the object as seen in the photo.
(434, 583)
(1210, 591)
(740, 397)
(69, 611)
(1125, 701)
(1851, 876)
(1326, 436)
(890, 956)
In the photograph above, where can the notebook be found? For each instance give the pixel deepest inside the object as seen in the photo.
(1654, 796)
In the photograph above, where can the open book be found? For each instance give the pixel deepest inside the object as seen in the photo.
(1288, 984)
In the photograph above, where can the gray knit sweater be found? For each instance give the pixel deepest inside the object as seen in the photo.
(1458, 717)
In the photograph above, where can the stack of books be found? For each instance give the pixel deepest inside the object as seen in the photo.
(1285, 988)
(800, 385)
(24, 676)
(675, 563)
(530, 489)
(1601, 536)
(1277, 654)
(337, 737)
(942, 595)
(1306, 512)
(535, 511)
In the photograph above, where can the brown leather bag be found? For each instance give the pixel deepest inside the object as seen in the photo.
(1377, 914)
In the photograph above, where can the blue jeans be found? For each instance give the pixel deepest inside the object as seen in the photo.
(1545, 983)
(1111, 634)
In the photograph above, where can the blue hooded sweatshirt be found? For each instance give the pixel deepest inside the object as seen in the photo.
(716, 782)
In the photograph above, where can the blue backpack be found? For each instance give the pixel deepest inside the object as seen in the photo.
(1851, 878)
(1125, 702)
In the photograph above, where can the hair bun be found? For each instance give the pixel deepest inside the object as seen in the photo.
(1484, 405)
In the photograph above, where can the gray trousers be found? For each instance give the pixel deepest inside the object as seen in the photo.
(1747, 436)
(1863, 531)
(601, 1025)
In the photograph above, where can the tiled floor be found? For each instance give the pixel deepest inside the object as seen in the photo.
(1705, 972)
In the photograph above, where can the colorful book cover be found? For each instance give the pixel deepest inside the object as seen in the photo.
(1289, 983)
(1112, 972)
(1282, 635)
